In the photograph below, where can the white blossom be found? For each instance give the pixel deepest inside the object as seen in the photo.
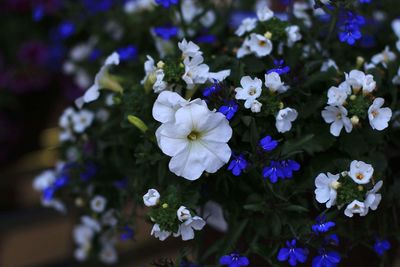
(183, 214)
(91, 223)
(259, 45)
(384, 57)
(81, 120)
(337, 116)
(355, 207)
(186, 229)
(65, 123)
(357, 80)
(248, 24)
(250, 90)
(151, 198)
(360, 172)
(372, 199)
(196, 72)
(189, 49)
(44, 180)
(214, 215)
(108, 254)
(158, 233)
(274, 84)
(338, 95)
(396, 78)
(256, 107)
(329, 63)
(326, 186)
(265, 13)
(244, 50)
(284, 119)
(98, 203)
(379, 117)
(82, 234)
(159, 85)
(109, 218)
(293, 34)
(300, 11)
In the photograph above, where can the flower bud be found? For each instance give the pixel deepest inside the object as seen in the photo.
(151, 198)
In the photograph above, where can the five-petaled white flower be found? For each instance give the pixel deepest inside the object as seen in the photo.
(158, 233)
(384, 57)
(81, 120)
(195, 137)
(379, 117)
(186, 229)
(284, 119)
(274, 83)
(329, 63)
(355, 207)
(189, 49)
(326, 186)
(372, 198)
(357, 80)
(250, 90)
(248, 24)
(98, 203)
(259, 45)
(361, 172)
(338, 95)
(265, 13)
(151, 198)
(183, 214)
(338, 117)
(196, 72)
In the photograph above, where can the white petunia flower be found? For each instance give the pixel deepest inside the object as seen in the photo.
(250, 90)
(256, 107)
(44, 180)
(384, 57)
(81, 120)
(330, 63)
(355, 207)
(293, 34)
(265, 13)
(379, 117)
(132, 6)
(396, 79)
(372, 199)
(186, 229)
(338, 117)
(196, 72)
(259, 45)
(151, 198)
(189, 49)
(357, 80)
(196, 138)
(183, 214)
(158, 233)
(98, 203)
(166, 105)
(93, 92)
(274, 84)
(338, 95)
(108, 254)
(284, 119)
(361, 172)
(326, 186)
(248, 24)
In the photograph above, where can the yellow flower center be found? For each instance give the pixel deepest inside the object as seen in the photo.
(360, 176)
(252, 91)
(193, 136)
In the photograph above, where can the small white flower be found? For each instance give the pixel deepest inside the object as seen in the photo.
(98, 203)
(384, 57)
(196, 72)
(93, 92)
(330, 63)
(189, 49)
(293, 34)
(379, 117)
(108, 254)
(284, 119)
(357, 80)
(44, 180)
(250, 90)
(373, 199)
(82, 234)
(259, 45)
(196, 138)
(338, 117)
(361, 172)
(355, 207)
(91, 223)
(396, 27)
(149, 68)
(274, 84)
(183, 214)
(398, 45)
(81, 253)
(151, 198)
(256, 107)
(396, 79)
(244, 50)
(218, 76)
(159, 85)
(248, 24)
(81, 120)
(65, 123)
(338, 95)
(158, 233)
(265, 13)
(326, 186)
(186, 229)
(300, 11)
(54, 203)
(109, 218)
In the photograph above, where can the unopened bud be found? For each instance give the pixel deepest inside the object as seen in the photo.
(268, 35)
(354, 120)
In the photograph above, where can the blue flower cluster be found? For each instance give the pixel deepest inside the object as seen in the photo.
(280, 169)
(280, 67)
(322, 226)
(167, 3)
(234, 260)
(381, 246)
(349, 26)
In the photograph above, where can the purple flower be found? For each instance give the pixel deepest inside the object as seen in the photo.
(229, 109)
(127, 233)
(167, 3)
(65, 30)
(166, 32)
(206, 39)
(234, 260)
(349, 27)
(127, 53)
(326, 259)
(292, 254)
(280, 67)
(381, 245)
(268, 144)
(322, 226)
(238, 164)
(273, 171)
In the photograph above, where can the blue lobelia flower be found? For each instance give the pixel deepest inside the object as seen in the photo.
(280, 67)
(292, 253)
(127, 53)
(206, 39)
(322, 226)
(238, 164)
(332, 239)
(381, 245)
(350, 27)
(167, 3)
(273, 171)
(209, 91)
(326, 259)
(229, 109)
(166, 32)
(65, 30)
(95, 54)
(288, 166)
(127, 233)
(268, 144)
(234, 260)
